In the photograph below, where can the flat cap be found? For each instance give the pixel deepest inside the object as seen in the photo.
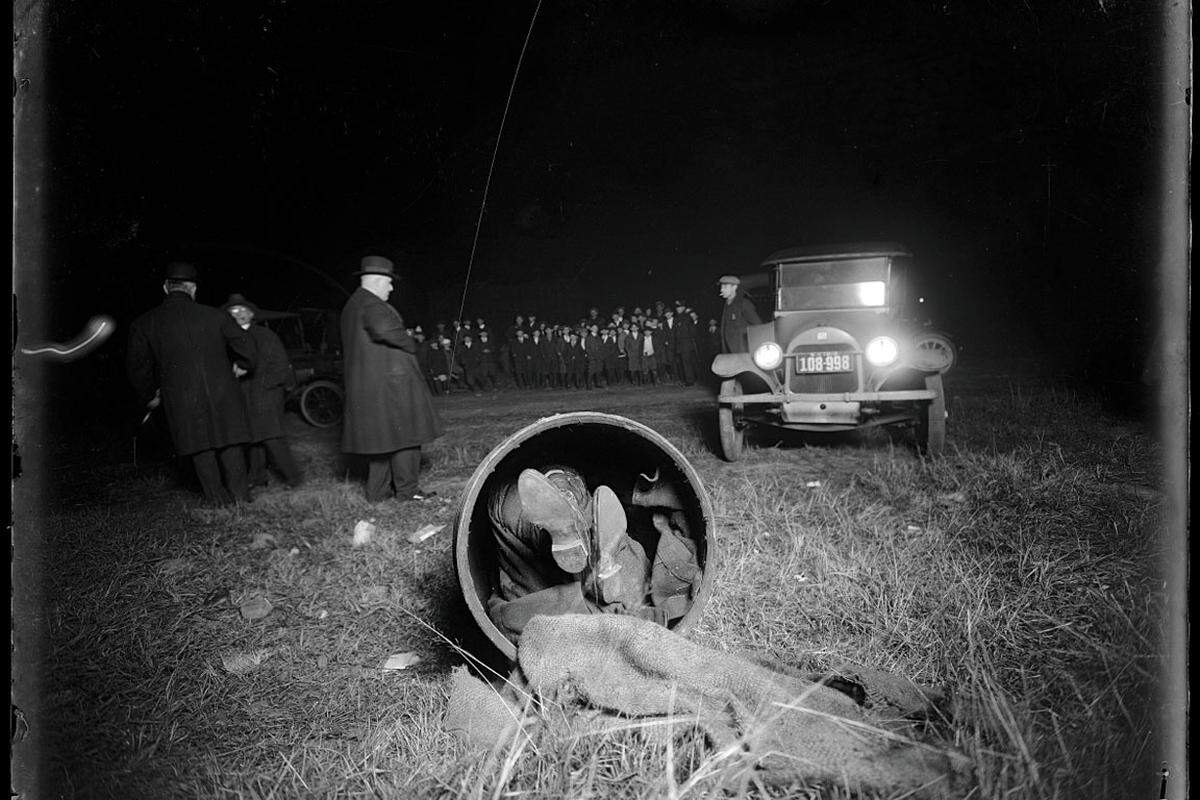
(733, 279)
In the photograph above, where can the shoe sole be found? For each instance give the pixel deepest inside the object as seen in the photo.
(544, 506)
(611, 526)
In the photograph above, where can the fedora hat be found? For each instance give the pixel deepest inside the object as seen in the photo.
(180, 271)
(239, 300)
(377, 265)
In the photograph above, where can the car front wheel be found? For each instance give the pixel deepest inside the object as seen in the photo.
(936, 351)
(931, 424)
(729, 419)
(321, 404)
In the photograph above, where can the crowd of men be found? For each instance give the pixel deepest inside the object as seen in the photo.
(658, 344)
(221, 380)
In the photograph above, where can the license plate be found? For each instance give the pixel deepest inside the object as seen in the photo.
(807, 363)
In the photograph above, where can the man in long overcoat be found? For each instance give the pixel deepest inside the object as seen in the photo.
(736, 316)
(264, 391)
(389, 411)
(686, 353)
(182, 355)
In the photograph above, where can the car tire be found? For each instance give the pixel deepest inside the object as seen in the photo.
(936, 350)
(729, 421)
(931, 424)
(321, 404)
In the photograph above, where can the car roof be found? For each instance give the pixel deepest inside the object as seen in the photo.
(836, 251)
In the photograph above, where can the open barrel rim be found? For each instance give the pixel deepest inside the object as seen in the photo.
(463, 519)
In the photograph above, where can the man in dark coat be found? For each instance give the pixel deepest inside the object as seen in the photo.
(471, 359)
(522, 356)
(686, 353)
(736, 316)
(488, 359)
(389, 411)
(264, 391)
(594, 353)
(666, 352)
(180, 355)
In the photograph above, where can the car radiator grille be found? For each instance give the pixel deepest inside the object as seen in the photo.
(824, 383)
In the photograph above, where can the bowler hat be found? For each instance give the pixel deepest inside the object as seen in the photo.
(377, 265)
(180, 271)
(733, 279)
(238, 300)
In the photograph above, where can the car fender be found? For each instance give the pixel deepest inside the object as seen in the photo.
(732, 365)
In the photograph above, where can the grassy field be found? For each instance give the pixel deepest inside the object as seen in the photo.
(1019, 571)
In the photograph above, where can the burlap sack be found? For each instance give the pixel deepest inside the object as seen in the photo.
(796, 729)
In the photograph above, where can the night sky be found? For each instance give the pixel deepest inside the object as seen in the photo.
(649, 147)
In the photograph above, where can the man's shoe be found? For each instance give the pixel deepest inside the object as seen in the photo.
(675, 572)
(610, 526)
(545, 506)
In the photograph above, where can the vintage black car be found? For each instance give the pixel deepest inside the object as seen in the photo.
(313, 343)
(845, 349)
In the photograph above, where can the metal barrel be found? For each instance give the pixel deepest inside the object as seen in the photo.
(607, 449)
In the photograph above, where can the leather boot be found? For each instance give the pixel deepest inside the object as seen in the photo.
(546, 507)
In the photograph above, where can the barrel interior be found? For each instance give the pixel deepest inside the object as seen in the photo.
(605, 454)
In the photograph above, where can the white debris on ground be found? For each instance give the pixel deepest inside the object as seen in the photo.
(262, 541)
(255, 607)
(401, 661)
(424, 532)
(238, 663)
(364, 529)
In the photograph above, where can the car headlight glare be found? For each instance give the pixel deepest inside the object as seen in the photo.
(882, 350)
(768, 356)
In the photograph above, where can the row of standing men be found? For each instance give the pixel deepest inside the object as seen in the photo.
(663, 346)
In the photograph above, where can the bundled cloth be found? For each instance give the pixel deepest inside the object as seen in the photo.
(796, 729)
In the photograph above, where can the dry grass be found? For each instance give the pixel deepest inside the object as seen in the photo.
(1019, 571)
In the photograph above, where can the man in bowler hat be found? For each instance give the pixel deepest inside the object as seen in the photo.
(183, 355)
(264, 392)
(389, 412)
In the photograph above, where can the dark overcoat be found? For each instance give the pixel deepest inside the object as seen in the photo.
(186, 351)
(264, 389)
(736, 316)
(388, 405)
(633, 349)
(685, 338)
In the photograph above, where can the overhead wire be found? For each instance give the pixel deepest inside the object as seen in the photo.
(491, 168)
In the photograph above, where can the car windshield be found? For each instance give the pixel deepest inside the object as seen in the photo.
(851, 283)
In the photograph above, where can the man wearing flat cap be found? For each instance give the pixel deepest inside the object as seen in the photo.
(264, 392)
(182, 355)
(389, 411)
(736, 316)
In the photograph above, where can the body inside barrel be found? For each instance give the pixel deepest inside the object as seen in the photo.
(645, 471)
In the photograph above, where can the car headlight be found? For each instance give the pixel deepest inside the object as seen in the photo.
(882, 350)
(768, 356)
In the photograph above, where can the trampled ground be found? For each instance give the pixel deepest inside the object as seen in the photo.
(1019, 571)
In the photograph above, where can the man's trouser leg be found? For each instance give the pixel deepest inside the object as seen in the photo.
(379, 477)
(685, 372)
(233, 464)
(209, 474)
(256, 454)
(393, 472)
(281, 456)
(406, 468)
